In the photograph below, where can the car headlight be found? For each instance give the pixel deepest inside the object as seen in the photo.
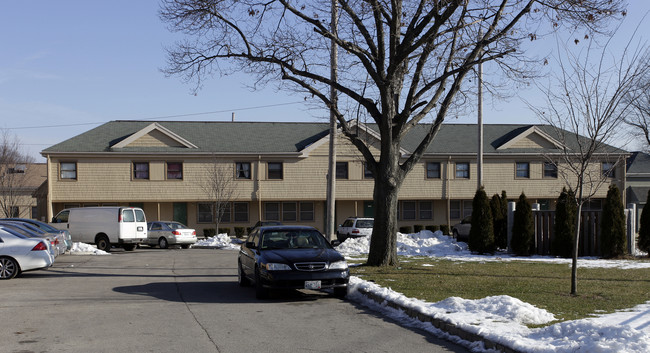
(277, 267)
(339, 265)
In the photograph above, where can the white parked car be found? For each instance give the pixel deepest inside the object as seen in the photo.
(20, 253)
(355, 227)
(166, 233)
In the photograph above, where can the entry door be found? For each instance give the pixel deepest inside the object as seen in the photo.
(180, 212)
(368, 209)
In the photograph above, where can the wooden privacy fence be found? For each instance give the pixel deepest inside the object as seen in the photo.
(589, 232)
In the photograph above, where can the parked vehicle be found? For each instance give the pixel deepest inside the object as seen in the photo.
(25, 231)
(292, 257)
(165, 233)
(59, 244)
(47, 228)
(354, 227)
(19, 253)
(124, 227)
(460, 231)
(262, 224)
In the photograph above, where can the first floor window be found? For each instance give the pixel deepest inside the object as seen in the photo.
(289, 211)
(14, 212)
(240, 211)
(272, 211)
(140, 170)
(205, 213)
(408, 210)
(462, 170)
(454, 209)
(306, 211)
(224, 209)
(433, 170)
(426, 210)
(68, 170)
(467, 208)
(174, 170)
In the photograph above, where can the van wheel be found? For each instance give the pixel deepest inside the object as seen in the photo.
(162, 243)
(103, 244)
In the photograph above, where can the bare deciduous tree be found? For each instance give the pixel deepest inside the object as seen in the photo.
(401, 62)
(14, 181)
(639, 117)
(586, 104)
(219, 187)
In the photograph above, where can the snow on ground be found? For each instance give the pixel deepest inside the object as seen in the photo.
(222, 241)
(86, 249)
(503, 318)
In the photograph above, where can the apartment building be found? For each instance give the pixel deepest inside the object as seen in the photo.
(278, 171)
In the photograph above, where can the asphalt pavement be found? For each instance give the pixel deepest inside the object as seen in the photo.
(152, 300)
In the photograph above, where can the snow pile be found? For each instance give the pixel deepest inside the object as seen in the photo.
(424, 243)
(221, 241)
(86, 249)
(503, 319)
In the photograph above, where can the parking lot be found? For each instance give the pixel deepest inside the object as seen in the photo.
(152, 300)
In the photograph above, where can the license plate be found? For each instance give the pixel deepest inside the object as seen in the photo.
(312, 284)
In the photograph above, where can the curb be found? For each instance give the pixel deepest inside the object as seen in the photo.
(440, 324)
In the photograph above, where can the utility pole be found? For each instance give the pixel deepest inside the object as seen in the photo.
(331, 169)
(479, 156)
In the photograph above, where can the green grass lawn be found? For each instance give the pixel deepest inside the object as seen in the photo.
(544, 285)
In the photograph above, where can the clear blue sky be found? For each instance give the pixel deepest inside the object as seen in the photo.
(70, 62)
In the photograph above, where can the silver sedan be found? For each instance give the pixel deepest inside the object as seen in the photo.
(20, 253)
(166, 233)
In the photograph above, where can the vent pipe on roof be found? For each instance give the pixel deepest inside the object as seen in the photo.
(233, 117)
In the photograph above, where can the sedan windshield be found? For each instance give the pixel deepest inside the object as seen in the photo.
(292, 239)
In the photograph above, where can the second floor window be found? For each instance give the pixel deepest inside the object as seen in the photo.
(433, 170)
(275, 170)
(462, 170)
(367, 173)
(523, 170)
(174, 170)
(140, 170)
(609, 169)
(243, 170)
(550, 170)
(341, 170)
(68, 170)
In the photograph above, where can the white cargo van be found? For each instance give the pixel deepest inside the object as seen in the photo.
(124, 227)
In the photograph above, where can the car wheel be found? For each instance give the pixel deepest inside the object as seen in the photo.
(260, 291)
(241, 277)
(340, 292)
(129, 247)
(103, 244)
(8, 268)
(340, 237)
(162, 243)
(455, 234)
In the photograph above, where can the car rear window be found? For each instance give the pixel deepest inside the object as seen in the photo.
(365, 223)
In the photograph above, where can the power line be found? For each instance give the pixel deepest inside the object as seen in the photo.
(157, 117)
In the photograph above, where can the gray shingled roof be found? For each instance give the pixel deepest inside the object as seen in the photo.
(270, 137)
(638, 163)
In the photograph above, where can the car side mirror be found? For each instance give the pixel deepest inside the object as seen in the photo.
(336, 242)
(251, 245)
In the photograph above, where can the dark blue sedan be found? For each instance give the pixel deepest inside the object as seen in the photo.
(291, 257)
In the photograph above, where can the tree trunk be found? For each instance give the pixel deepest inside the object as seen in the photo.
(576, 241)
(388, 180)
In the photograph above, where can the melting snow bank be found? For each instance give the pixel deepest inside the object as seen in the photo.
(221, 241)
(427, 243)
(86, 249)
(502, 320)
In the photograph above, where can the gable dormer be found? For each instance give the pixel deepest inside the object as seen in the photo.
(154, 135)
(531, 138)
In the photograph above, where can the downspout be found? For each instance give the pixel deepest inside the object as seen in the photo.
(447, 180)
(49, 190)
(257, 191)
